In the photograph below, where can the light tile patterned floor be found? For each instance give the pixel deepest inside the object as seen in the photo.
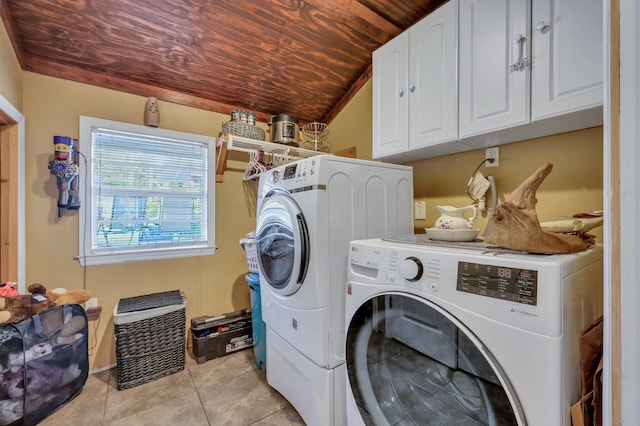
(228, 391)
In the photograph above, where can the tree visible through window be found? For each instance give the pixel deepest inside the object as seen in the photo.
(149, 193)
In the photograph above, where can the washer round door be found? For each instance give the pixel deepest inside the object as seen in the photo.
(410, 362)
(282, 243)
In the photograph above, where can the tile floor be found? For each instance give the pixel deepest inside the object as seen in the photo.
(228, 391)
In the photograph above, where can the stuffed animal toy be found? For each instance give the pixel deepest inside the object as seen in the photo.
(17, 360)
(17, 308)
(70, 331)
(13, 384)
(10, 411)
(8, 289)
(61, 296)
(37, 288)
(41, 378)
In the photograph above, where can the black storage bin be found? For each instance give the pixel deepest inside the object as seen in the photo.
(150, 337)
(214, 337)
(45, 364)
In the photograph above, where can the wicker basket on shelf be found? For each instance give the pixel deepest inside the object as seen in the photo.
(314, 136)
(237, 128)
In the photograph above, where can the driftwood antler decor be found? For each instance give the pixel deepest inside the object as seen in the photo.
(515, 224)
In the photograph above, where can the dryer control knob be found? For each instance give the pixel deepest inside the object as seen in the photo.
(275, 176)
(411, 269)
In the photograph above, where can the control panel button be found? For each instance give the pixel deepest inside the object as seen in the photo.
(411, 269)
(275, 176)
(434, 287)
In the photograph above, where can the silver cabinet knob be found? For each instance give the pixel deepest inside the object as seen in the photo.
(401, 92)
(543, 27)
(412, 88)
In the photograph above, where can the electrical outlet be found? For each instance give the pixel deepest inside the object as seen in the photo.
(93, 313)
(420, 210)
(91, 303)
(492, 154)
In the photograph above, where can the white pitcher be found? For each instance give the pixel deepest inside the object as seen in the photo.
(453, 218)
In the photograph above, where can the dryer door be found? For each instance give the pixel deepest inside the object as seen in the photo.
(282, 242)
(410, 362)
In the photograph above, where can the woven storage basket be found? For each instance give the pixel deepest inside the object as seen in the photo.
(238, 128)
(150, 337)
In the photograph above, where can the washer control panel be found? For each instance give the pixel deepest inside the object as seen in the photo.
(525, 291)
(293, 176)
(299, 171)
(499, 282)
(298, 176)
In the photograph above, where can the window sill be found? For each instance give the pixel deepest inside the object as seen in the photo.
(143, 255)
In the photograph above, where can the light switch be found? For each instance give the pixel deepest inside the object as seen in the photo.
(420, 210)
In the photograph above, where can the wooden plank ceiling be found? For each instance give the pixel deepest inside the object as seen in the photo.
(305, 58)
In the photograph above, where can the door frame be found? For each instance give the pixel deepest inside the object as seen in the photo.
(16, 118)
(622, 204)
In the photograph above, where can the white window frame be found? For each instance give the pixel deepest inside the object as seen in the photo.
(89, 254)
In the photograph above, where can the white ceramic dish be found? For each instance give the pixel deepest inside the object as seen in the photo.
(457, 235)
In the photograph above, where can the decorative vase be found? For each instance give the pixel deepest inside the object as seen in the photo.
(151, 112)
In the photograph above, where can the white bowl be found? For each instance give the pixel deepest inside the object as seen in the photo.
(457, 235)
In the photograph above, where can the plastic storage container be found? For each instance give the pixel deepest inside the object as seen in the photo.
(259, 332)
(248, 244)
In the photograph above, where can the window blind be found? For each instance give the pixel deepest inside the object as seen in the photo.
(147, 190)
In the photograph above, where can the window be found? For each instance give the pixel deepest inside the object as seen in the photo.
(148, 193)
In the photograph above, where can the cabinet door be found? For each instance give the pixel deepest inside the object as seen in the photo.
(492, 97)
(391, 97)
(433, 78)
(567, 56)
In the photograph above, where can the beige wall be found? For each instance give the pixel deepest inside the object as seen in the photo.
(10, 73)
(213, 284)
(573, 186)
(353, 126)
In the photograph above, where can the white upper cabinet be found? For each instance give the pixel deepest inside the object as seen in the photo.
(433, 78)
(390, 97)
(478, 73)
(567, 54)
(415, 86)
(492, 95)
(529, 68)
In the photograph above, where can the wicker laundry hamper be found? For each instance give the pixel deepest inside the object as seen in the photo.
(150, 337)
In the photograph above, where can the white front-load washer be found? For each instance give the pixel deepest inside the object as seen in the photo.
(308, 212)
(465, 333)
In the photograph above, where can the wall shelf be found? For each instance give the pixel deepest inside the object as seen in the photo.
(227, 142)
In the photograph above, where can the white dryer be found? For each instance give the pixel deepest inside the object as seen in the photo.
(308, 212)
(465, 335)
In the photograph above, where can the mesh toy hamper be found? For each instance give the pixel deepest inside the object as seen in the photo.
(150, 337)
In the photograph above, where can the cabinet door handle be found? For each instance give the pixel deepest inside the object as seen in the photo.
(523, 61)
(412, 88)
(401, 92)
